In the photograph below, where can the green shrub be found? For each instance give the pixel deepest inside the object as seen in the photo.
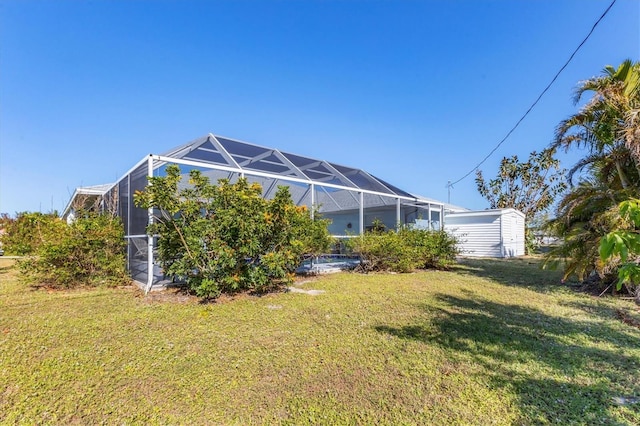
(28, 231)
(227, 238)
(433, 249)
(90, 252)
(383, 251)
(405, 250)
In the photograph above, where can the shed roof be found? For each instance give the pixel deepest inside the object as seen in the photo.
(488, 212)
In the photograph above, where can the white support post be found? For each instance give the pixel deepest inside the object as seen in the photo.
(128, 219)
(313, 200)
(398, 223)
(442, 217)
(149, 237)
(361, 226)
(429, 218)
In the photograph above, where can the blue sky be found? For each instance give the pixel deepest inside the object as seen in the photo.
(415, 92)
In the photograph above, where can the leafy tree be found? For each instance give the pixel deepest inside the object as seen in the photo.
(622, 247)
(530, 186)
(227, 237)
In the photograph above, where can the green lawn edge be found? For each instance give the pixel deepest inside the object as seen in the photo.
(488, 342)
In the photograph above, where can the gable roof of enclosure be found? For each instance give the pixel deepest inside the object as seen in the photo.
(89, 193)
(242, 157)
(234, 156)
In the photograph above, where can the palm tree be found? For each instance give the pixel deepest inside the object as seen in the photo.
(584, 215)
(608, 125)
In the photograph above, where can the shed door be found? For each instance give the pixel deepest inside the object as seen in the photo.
(514, 236)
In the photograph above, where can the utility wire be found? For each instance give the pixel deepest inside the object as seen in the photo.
(449, 184)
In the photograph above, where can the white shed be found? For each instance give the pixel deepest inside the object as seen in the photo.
(488, 233)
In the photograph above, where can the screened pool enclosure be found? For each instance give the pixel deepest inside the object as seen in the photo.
(351, 198)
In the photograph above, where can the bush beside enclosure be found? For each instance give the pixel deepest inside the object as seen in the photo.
(89, 251)
(227, 237)
(405, 250)
(220, 238)
(24, 234)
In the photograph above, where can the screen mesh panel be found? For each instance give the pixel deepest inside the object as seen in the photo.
(252, 157)
(139, 217)
(138, 258)
(361, 179)
(319, 171)
(123, 202)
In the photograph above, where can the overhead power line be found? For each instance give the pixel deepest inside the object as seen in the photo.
(450, 184)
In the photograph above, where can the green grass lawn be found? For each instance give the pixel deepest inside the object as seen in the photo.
(491, 342)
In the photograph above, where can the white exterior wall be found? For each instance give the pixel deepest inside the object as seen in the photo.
(488, 233)
(477, 236)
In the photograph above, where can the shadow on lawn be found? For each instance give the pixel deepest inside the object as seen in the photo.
(528, 352)
(600, 309)
(5, 269)
(524, 272)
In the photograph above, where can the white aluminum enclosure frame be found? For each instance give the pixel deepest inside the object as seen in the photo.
(346, 189)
